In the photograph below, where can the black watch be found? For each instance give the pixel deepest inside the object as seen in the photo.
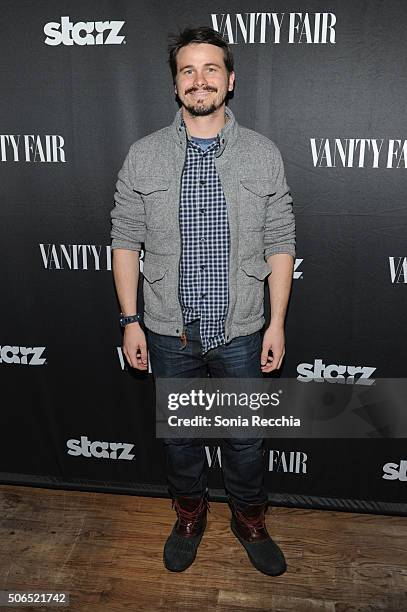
(126, 319)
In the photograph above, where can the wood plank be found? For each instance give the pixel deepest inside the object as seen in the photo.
(106, 551)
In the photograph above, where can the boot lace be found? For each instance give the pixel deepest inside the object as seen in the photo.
(257, 523)
(186, 516)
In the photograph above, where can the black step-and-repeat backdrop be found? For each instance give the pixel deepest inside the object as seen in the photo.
(81, 81)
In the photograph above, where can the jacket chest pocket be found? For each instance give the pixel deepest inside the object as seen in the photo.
(154, 192)
(253, 202)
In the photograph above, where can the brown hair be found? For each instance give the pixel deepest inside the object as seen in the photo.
(203, 34)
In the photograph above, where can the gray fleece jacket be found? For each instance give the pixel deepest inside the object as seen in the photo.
(261, 220)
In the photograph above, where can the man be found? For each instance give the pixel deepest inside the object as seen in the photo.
(209, 201)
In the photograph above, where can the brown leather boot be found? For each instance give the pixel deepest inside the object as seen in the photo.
(249, 526)
(181, 547)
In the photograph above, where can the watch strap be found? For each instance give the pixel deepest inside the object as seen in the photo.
(126, 319)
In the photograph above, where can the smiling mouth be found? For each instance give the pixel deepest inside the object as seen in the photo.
(201, 93)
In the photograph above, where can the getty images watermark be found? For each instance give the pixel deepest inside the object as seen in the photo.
(275, 407)
(217, 401)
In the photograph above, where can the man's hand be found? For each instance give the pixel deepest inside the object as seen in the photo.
(273, 341)
(135, 346)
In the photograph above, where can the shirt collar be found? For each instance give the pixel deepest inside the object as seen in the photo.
(213, 146)
(227, 133)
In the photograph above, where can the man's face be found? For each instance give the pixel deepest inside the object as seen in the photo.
(202, 81)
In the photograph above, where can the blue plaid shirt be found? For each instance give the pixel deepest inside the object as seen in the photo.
(205, 241)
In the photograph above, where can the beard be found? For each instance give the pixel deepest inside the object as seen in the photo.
(202, 110)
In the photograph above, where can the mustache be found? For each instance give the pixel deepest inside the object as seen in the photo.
(192, 89)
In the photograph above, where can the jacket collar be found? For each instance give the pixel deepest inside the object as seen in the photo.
(227, 134)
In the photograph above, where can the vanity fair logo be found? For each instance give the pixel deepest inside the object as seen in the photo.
(395, 471)
(263, 28)
(319, 372)
(293, 462)
(99, 450)
(398, 269)
(358, 153)
(76, 256)
(23, 355)
(32, 148)
(83, 32)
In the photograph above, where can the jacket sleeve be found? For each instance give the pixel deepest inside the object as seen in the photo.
(128, 215)
(279, 235)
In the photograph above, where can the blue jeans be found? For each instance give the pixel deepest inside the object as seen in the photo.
(242, 458)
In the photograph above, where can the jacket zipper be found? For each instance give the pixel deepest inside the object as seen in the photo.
(183, 336)
(227, 318)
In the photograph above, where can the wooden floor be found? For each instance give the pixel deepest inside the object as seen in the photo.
(106, 551)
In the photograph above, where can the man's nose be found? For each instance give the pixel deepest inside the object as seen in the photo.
(200, 79)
